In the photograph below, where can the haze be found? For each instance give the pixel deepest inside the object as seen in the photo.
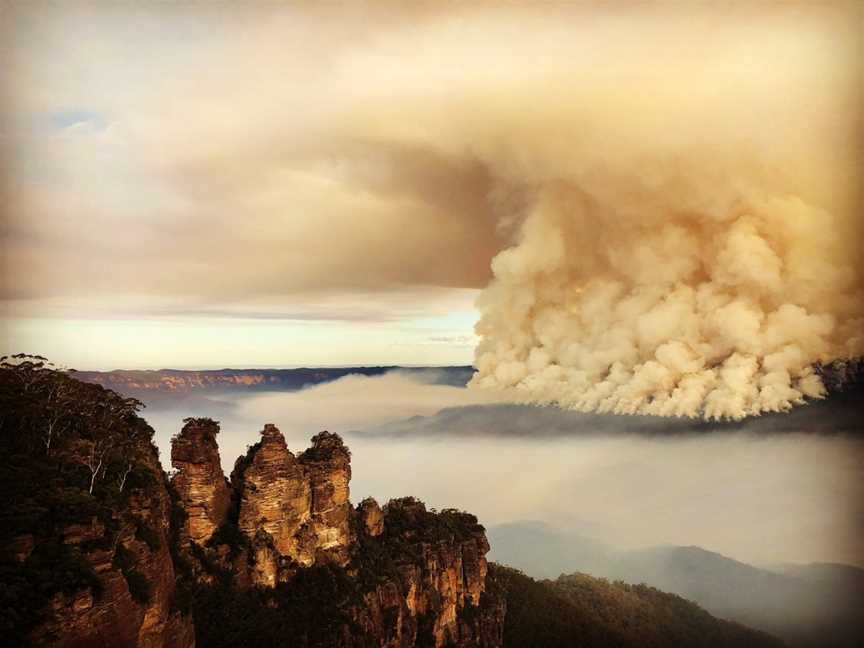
(762, 499)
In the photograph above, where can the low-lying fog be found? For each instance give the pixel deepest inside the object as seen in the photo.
(761, 499)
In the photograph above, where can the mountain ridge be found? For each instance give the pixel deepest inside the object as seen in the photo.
(181, 380)
(804, 604)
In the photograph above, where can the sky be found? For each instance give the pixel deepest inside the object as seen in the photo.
(205, 185)
(167, 199)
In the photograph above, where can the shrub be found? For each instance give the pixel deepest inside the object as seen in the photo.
(148, 535)
(139, 587)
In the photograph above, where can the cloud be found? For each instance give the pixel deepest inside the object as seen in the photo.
(180, 203)
(671, 197)
(462, 340)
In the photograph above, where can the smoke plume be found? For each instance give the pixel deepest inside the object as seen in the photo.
(690, 234)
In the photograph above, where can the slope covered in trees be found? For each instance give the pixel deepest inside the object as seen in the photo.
(84, 525)
(580, 610)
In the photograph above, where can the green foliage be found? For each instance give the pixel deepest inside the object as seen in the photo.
(148, 535)
(229, 534)
(408, 518)
(141, 478)
(126, 561)
(592, 612)
(311, 610)
(323, 445)
(139, 587)
(203, 421)
(25, 589)
(58, 436)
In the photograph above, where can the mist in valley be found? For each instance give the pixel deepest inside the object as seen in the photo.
(759, 498)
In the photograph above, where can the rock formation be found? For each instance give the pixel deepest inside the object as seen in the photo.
(131, 600)
(441, 565)
(371, 516)
(275, 497)
(85, 559)
(415, 577)
(295, 511)
(199, 481)
(328, 466)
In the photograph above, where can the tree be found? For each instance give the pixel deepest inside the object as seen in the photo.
(58, 410)
(115, 432)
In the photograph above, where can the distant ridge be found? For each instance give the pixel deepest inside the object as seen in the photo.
(813, 605)
(181, 380)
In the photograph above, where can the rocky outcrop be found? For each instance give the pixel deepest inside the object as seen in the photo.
(294, 510)
(328, 466)
(199, 481)
(371, 517)
(441, 566)
(404, 576)
(177, 380)
(123, 552)
(81, 616)
(275, 499)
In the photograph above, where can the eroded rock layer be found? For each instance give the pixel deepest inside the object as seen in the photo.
(199, 481)
(328, 466)
(371, 517)
(403, 576)
(275, 497)
(86, 536)
(441, 566)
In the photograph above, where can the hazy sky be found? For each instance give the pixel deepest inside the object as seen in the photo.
(290, 183)
(169, 197)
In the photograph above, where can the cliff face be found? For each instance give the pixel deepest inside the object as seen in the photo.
(175, 380)
(295, 511)
(439, 596)
(85, 538)
(130, 600)
(167, 381)
(275, 497)
(404, 576)
(199, 481)
(328, 466)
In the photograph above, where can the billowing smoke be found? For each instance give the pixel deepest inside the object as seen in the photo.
(679, 183)
(691, 247)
